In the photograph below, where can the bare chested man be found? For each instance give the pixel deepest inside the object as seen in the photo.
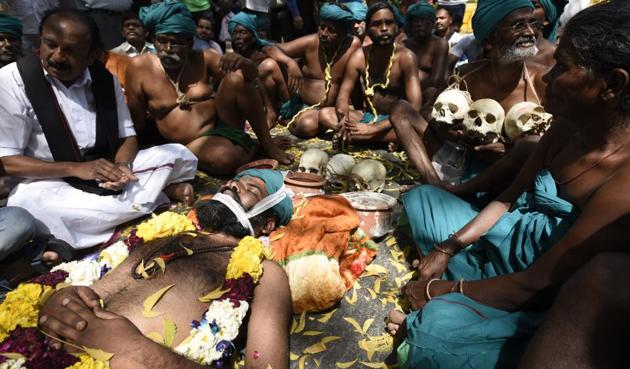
(325, 56)
(176, 88)
(120, 327)
(388, 72)
(431, 50)
(508, 34)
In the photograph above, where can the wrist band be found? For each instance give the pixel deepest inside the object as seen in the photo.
(461, 286)
(443, 251)
(427, 293)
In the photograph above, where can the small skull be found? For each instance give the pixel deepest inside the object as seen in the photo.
(313, 161)
(484, 121)
(451, 107)
(526, 118)
(369, 175)
(339, 167)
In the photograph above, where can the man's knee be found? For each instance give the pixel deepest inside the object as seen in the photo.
(306, 126)
(234, 80)
(604, 276)
(402, 113)
(17, 226)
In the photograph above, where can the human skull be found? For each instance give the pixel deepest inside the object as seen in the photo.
(450, 107)
(313, 161)
(526, 118)
(484, 121)
(339, 167)
(369, 175)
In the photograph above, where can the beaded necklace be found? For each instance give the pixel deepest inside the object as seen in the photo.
(369, 89)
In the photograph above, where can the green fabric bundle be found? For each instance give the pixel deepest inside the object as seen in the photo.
(170, 17)
(10, 25)
(490, 13)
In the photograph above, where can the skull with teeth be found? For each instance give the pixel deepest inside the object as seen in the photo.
(526, 118)
(368, 175)
(451, 107)
(484, 121)
(313, 161)
(339, 167)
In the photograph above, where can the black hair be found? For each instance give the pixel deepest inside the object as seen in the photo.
(448, 10)
(206, 16)
(80, 16)
(600, 36)
(216, 217)
(130, 15)
(379, 5)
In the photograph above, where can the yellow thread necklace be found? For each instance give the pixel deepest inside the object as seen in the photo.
(369, 89)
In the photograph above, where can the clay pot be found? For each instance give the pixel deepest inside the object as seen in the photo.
(259, 164)
(375, 211)
(304, 185)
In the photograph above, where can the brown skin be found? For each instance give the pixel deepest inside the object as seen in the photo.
(75, 313)
(382, 29)
(204, 29)
(133, 32)
(237, 100)
(443, 23)
(489, 78)
(587, 152)
(66, 52)
(10, 48)
(309, 81)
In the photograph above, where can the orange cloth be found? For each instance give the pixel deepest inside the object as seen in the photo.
(116, 64)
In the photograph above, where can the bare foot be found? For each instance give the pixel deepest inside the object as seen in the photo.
(396, 323)
(183, 192)
(283, 142)
(51, 258)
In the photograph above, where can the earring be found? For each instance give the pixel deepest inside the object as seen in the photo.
(625, 103)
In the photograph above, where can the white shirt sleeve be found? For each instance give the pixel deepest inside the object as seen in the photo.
(15, 127)
(460, 48)
(125, 124)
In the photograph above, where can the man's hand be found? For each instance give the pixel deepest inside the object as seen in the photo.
(433, 265)
(231, 62)
(298, 22)
(295, 77)
(100, 170)
(127, 177)
(282, 157)
(362, 129)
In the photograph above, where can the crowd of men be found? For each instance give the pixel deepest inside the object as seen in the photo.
(93, 135)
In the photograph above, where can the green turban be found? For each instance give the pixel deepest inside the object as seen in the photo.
(249, 21)
(399, 18)
(334, 13)
(358, 10)
(273, 182)
(491, 12)
(553, 15)
(10, 25)
(171, 16)
(420, 9)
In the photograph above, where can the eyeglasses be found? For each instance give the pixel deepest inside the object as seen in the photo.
(522, 25)
(172, 44)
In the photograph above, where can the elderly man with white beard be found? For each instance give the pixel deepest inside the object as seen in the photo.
(507, 30)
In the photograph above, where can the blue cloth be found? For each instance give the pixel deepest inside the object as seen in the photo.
(490, 13)
(553, 16)
(291, 107)
(369, 117)
(250, 22)
(10, 25)
(334, 13)
(534, 224)
(453, 331)
(358, 10)
(170, 16)
(273, 182)
(17, 227)
(421, 9)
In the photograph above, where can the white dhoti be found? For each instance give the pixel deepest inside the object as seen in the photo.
(83, 219)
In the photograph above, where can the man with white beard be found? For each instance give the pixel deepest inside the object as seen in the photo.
(507, 30)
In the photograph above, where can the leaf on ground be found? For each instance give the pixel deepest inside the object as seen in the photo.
(315, 349)
(352, 299)
(269, 366)
(312, 333)
(301, 324)
(170, 328)
(293, 356)
(329, 339)
(373, 365)
(354, 323)
(316, 362)
(98, 354)
(302, 361)
(367, 324)
(188, 251)
(372, 344)
(377, 285)
(372, 293)
(214, 294)
(155, 337)
(101, 302)
(326, 317)
(150, 302)
(294, 324)
(345, 365)
(375, 268)
(161, 263)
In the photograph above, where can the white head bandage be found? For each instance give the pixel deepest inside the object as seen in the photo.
(241, 215)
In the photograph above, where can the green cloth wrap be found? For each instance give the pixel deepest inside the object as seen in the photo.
(250, 22)
(273, 182)
(170, 17)
(368, 117)
(553, 16)
(358, 10)
(237, 136)
(490, 13)
(420, 9)
(399, 17)
(292, 107)
(10, 25)
(334, 13)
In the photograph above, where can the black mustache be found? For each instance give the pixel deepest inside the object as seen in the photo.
(60, 66)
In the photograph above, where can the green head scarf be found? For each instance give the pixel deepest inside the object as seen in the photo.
(249, 21)
(358, 10)
(171, 16)
(334, 13)
(421, 9)
(553, 16)
(491, 12)
(273, 182)
(10, 25)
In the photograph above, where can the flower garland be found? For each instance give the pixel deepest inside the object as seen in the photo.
(23, 346)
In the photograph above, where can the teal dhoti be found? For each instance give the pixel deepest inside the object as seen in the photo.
(536, 222)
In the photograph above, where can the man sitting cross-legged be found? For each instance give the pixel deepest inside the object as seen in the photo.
(120, 327)
(324, 56)
(176, 88)
(508, 32)
(388, 72)
(66, 133)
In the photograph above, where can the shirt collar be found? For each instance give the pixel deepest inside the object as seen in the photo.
(84, 80)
